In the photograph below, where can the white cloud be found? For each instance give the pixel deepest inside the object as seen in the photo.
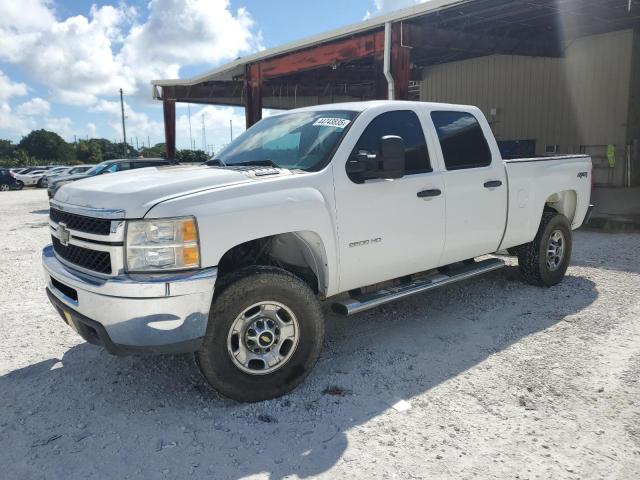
(28, 115)
(137, 123)
(385, 6)
(34, 107)
(216, 123)
(84, 58)
(62, 126)
(187, 32)
(9, 88)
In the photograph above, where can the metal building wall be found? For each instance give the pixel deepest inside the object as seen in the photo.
(579, 102)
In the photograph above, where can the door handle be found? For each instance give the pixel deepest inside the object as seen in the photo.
(429, 193)
(492, 184)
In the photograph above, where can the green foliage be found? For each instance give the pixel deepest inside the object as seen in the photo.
(6, 148)
(42, 147)
(192, 156)
(157, 151)
(47, 147)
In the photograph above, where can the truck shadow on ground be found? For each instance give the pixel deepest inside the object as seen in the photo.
(144, 417)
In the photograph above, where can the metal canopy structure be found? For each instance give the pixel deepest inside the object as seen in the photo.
(348, 64)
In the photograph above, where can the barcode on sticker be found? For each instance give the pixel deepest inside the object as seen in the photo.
(332, 122)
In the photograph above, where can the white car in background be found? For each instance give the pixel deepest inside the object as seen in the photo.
(32, 178)
(60, 171)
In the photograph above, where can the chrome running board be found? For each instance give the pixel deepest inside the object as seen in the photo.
(453, 273)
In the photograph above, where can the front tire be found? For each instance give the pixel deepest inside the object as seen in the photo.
(264, 335)
(544, 261)
(19, 185)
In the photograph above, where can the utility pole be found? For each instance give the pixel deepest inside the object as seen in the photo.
(124, 131)
(231, 129)
(148, 141)
(190, 136)
(137, 147)
(204, 136)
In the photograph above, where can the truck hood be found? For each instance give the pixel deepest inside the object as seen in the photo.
(134, 192)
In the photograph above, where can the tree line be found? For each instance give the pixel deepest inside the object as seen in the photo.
(42, 147)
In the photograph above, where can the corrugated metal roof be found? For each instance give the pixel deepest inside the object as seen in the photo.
(227, 71)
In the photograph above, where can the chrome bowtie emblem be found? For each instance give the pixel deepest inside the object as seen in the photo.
(63, 234)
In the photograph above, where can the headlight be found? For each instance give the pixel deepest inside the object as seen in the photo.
(162, 244)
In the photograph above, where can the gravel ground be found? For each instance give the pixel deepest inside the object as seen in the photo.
(502, 380)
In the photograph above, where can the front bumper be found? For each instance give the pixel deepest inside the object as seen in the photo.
(159, 313)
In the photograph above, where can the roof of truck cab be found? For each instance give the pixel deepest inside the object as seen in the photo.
(362, 106)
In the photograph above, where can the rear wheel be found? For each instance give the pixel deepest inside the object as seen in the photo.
(264, 335)
(4, 187)
(544, 261)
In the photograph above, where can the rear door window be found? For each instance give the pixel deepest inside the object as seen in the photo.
(405, 124)
(462, 141)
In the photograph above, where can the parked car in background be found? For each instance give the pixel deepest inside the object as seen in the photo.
(31, 178)
(108, 166)
(54, 172)
(7, 182)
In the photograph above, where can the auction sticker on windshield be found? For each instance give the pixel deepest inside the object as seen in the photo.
(332, 122)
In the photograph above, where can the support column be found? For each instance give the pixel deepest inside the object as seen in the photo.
(400, 61)
(169, 110)
(253, 98)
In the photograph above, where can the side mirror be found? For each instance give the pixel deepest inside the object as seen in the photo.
(389, 163)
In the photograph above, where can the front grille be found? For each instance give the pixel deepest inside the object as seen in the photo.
(83, 257)
(98, 226)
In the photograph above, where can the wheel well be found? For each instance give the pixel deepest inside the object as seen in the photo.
(300, 253)
(562, 202)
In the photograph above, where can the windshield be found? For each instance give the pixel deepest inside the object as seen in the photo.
(302, 140)
(97, 169)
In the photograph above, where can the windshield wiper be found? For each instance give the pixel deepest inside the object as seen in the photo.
(215, 162)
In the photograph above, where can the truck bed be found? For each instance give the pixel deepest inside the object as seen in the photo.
(560, 181)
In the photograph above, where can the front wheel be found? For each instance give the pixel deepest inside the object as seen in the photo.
(264, 335)
(19, 185)
(545, 260)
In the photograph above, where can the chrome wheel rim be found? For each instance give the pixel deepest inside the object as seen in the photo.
(4, 188)
(263, 338)
(555, 250)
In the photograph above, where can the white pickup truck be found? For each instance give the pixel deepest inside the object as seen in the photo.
(357, 203)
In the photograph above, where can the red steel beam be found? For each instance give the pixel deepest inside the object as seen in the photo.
(169, 111)
(253, 98)
(329, 54)
(400, 63)
(324, 55)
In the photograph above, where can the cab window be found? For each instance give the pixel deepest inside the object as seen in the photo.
(462, 141)
(405, 124)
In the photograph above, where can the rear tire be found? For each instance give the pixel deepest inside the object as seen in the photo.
(286, 312)
(4, 187)
(545, 260)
